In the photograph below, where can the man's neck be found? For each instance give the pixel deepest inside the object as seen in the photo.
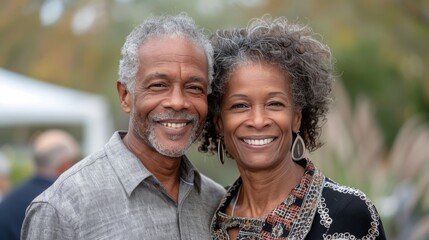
(165, 169)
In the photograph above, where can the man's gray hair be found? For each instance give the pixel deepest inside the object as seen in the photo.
(161, 26)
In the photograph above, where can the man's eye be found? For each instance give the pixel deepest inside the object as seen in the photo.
(196, 89)
(157, 86)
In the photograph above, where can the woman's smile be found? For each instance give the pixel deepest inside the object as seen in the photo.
(257, 120)
(258, 141)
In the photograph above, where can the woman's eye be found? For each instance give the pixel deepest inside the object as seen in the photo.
(276, 104)
(239, 106)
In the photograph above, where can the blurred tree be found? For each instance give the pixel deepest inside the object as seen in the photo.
(380, 49)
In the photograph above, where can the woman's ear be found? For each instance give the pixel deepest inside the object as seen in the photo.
(124, 96)
(218, 123)
(296, 122)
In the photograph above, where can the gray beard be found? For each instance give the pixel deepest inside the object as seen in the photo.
(149, 137)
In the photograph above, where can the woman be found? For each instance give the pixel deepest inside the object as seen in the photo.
(269, 97)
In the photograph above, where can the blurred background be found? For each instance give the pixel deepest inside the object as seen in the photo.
(59, 62)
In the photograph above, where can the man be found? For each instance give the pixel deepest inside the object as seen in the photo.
(141, 186)
(54, 151)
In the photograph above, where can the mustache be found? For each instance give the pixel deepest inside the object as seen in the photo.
(171, 115)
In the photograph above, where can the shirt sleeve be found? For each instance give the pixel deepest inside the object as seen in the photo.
(43, 221)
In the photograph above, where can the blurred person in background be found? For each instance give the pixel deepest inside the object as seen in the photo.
(54, 151)
(141, 185)
(4, 176)
(269, 97)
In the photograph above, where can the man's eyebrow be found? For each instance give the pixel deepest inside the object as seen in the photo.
(156, 75)
(160, 75)
(198, 79)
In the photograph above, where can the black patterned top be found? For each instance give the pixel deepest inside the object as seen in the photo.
(317, 208)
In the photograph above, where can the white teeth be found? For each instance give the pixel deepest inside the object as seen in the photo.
(258, 142)
(174, 125)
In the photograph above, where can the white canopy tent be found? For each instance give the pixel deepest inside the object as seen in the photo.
(26, 101)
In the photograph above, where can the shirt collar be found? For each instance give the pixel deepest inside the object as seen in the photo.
(190, 174)
(131, 171)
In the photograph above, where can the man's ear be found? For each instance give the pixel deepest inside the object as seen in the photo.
(124, 96)
(218, 124)
(296, 124)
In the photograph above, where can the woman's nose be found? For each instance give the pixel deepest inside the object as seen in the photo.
(259, 118)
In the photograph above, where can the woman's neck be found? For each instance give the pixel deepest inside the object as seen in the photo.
(262, 191)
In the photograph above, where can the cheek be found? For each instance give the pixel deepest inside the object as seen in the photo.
(145, 106)
(229, 144)
(231, 127)
(284, 120)
(230, 123)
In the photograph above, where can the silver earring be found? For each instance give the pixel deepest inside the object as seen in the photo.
(220, 150)
(298, 148)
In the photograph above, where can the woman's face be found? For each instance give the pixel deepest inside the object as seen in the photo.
(258, 116)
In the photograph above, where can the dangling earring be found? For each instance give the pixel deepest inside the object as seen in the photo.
(220, 150)
(298, 148)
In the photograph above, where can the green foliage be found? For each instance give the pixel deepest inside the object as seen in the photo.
(366, 71)
(20, 171)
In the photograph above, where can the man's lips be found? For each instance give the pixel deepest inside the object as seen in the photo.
(175, 125)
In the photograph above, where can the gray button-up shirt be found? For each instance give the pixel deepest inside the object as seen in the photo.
(111, 195)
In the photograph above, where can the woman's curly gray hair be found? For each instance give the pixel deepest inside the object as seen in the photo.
(162, 26)
(306, 61)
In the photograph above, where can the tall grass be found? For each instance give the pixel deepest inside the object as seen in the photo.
(396, 179)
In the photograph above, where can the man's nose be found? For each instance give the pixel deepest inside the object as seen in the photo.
(178, 100)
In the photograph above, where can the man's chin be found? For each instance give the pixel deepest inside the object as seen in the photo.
(172, 150)
(170, 145)
(172, 153)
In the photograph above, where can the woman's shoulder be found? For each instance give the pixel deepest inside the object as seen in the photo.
(346, 199)
(334, 189)
(349, 210)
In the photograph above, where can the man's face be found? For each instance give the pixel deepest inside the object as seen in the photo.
(169, 104)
